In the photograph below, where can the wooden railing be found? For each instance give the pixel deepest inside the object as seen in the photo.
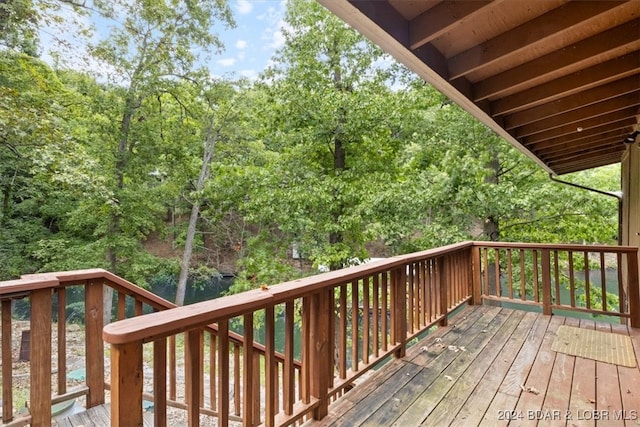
(47, 296)
(599, 280)
(318, 335)
(349, 320)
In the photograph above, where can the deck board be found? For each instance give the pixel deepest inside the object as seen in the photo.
(507, 375)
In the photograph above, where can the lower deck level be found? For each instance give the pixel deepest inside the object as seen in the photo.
(496, 366)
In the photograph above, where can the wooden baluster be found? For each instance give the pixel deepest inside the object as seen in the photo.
(213, 361)
(399, 309)
(587, 280)
(122, 300)
(603, 282)
(556, 276)
(384, 327)
(342, 333)
(319, 318)
(237, 387)
(94, 346)
(536, 281)
(376, 315)
(572, 281)
(255, 385)
(444, 298)
(269, 362)
(523, 288)
(138, 308)
(410, 298)
(126, 384)
(223, 366)
(62, 340)
(509, 274)
(288, 374)
(546, 282)
(355, 314)
(7, 364)
(160, 383)
(365, 321)
(496, 266)
(172, 367)
(247, 362)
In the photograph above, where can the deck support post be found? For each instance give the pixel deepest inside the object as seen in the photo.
(399, 310)
(320, 354)
(444, 296)
(126, 384)
(546, 282)
(40, 357)
(633, 289)
(94, 346)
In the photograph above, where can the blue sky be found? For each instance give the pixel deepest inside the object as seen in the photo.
(248, 47)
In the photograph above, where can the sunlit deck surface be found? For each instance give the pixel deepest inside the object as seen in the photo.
(492, 365)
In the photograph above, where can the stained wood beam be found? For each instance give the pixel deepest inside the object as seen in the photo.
(618, 116)
(439, 19)
(548, 29)
(580, 100)
(580, 81)
(618, 41)
(580, 115)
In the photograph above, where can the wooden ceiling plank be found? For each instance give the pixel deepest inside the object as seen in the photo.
(618, 41)
(617, 116)
(593, 162)
(538, 31)
(623, 126)
(572, 102)
(604, 151)
(438, 20)
(586, 79)
(552, 154)
(579, 115)
(595, 139)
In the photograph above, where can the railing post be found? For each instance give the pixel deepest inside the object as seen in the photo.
(546, 282)
(476, 283)
(320, 355)
(40, 357)
(94, 346)
(444, 295)
(399, 309)
(633, 289)
(126, 384)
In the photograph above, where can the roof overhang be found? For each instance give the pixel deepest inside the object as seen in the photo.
(560, 80)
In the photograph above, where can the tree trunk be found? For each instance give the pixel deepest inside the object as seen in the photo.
(209, 149)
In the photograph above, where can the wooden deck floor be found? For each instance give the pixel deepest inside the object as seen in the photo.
(494, 366)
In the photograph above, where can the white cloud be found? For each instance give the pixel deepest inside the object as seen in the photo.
(227, 62)
(250, 74)
(241, 44)
(244, 7)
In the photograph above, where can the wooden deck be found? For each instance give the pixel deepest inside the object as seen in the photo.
(495, 366)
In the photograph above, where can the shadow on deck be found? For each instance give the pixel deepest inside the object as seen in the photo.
(491, 366)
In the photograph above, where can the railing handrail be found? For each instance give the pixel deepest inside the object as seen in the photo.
(154, 326)
(559, 246)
